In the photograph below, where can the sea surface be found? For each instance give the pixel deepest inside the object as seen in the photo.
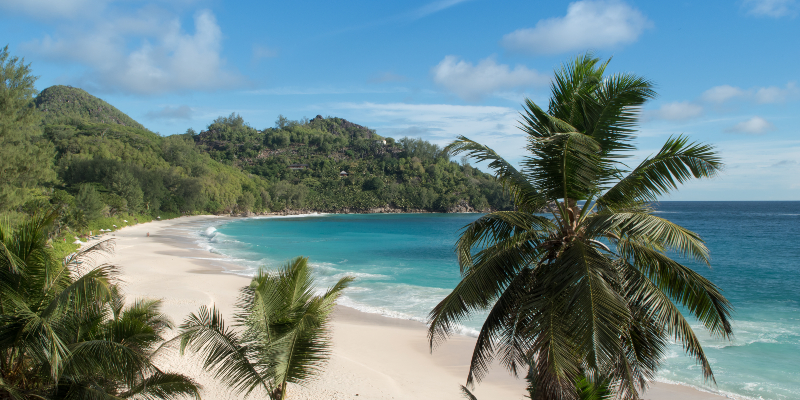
(405, 264)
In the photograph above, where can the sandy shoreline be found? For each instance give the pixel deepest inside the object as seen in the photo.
(374, 357)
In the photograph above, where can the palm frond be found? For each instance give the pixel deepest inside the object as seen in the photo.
(467, 393)
(498, 334)
(526, 196)
(106, 357)
(492, 270)
(165, 386)
(683, 285)
(650, 298)
(597, 313)
(564, 165)
(614, 112)
(676, 163)
(224, 354)
(497, 227)
(646, 228)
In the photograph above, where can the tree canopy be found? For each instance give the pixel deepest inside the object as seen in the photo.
(579, 281)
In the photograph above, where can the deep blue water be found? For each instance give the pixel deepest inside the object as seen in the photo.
(405, 264)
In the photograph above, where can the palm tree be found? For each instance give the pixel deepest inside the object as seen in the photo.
(280, 333)
(64, 330)
(578, 280)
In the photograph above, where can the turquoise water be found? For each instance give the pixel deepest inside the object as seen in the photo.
(404, 264)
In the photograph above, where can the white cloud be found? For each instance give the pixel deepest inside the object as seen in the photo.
(755, 126)
(774, 94)
(167, 59)
(763, 95)
(771, 8)
(677, 111)
(587, 25)
(472, 82)
(721, 94)
(495, 127)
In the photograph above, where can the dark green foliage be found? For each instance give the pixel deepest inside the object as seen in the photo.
(375, 183)
(89, 202)
(65, 332)
(412, 174)
(75, 139)
(280, 334)
(585, 295)
(66, 104)
(26, 160)
(422, 149)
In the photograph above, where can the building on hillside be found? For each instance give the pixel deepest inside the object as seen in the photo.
(342, 174)
(298, 166)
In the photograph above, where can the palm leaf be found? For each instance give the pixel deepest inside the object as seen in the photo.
(525, 195)
(162, 385)
(224, 354)
(676, 163)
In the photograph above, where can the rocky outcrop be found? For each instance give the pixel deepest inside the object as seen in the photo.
(461, 207)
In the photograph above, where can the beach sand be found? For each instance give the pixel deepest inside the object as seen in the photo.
(373, 357)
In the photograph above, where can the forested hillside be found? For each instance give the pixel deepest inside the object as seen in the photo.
(330, 164)
(67, 148)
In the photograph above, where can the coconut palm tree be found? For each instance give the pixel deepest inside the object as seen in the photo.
(280, 334)
(579, 280)
(64, 330)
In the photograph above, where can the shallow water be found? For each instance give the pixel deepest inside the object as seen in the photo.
(405, 264)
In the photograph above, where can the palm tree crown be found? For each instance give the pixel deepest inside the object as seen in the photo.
(65, 332)
(577, 280)
(282, 337)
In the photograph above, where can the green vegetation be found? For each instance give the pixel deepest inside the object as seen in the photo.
(65, 332)
(26, 158)
(70, 150)
(587, 292)
(281, 333)
(303, 160)
(66, 104)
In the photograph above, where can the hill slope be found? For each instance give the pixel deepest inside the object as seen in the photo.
(62, 103)
(378, 172)
(108, 164)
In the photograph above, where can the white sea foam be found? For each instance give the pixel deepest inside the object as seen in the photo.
(708, 390)
(348, 302)
(289, 216)
(361, 275)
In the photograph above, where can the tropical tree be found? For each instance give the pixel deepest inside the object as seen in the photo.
(280, 334)
(579, 280)
(26, 162)
(64, 330)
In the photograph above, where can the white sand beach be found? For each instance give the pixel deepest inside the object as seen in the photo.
(374, 357)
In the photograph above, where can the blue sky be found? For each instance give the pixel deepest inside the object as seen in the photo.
(726, 71)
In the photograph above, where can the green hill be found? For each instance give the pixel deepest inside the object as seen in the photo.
(60, 104)
(107, 164)
(380, 172)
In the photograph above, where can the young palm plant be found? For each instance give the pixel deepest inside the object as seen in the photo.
(64, 332)
(578, 280)
(280, 334)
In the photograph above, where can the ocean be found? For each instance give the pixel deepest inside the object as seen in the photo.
(405, 264)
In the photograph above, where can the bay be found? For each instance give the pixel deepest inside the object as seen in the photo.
(405, 264)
